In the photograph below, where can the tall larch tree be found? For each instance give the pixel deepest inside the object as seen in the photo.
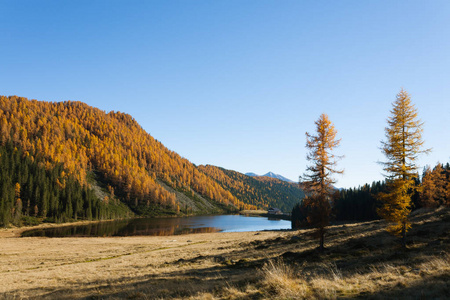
(318, 182)
(402, 147)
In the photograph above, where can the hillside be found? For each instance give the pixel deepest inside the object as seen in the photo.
(112, 154)
(30, 190)
(260, 191)
(113, 160)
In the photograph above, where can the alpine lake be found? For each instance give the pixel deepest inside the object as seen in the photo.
(164, 226)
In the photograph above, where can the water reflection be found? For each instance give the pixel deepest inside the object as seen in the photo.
(164, 226)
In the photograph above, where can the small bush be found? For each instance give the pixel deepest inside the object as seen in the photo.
(30, 221)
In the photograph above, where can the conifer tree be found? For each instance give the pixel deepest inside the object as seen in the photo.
(434, 187)
(402, 147)
(317, 182)
(428, 190)
(440, 181)
(17, 205)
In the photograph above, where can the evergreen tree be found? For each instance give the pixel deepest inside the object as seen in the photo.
(30, 194)
(402, 147)
(17, 205)
(358, 204)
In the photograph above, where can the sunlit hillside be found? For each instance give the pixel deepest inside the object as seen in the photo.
(260, 191)
(111, 149)
(112, 155)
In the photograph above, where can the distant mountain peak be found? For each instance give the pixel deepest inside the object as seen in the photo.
(270, 174)
(277, 176)
(251, 174)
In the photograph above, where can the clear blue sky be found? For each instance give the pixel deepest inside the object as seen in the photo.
(238, 83)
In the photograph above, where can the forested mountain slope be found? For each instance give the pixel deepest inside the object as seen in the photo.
(262, 191)
(99, 165)
(31, 191)
(113, 146)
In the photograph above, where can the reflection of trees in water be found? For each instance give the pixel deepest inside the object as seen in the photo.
(205, 230)
(94, 229)
(158, 227)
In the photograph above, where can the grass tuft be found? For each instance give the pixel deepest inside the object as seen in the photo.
(280, 279)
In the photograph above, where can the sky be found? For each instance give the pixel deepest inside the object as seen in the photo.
(237, 84)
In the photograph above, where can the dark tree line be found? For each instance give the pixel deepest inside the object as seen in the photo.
(359, 204)
(353, 204)
(32, 191)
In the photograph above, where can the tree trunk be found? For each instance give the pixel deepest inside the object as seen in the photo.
(404, 236)
(321, 232)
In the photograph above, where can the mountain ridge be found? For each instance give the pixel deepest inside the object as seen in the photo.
(271, 175)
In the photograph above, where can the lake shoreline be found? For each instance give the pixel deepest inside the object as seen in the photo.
(160, 226)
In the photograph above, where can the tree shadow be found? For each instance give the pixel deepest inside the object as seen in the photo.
(374, 247)
(432, 287)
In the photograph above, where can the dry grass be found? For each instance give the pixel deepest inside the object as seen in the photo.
(361, 260)
(282, 280)
(333, 283)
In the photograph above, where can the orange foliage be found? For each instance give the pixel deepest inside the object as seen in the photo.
(82, 137)
(259, 191)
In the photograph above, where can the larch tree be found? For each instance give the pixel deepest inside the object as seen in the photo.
(440, 180)
(402, 147)
(434, 187)
(428, 190)
(318, 182)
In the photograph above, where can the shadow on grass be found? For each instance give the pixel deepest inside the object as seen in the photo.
(432, 287)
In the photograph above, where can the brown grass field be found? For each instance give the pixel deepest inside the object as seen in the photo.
(361, 261)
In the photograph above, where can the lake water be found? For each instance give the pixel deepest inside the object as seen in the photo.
(165, 226)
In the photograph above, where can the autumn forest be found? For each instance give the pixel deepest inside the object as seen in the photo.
(68, 161)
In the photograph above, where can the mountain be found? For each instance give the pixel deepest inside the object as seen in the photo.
(110, 154)
(67, 160)
(260, 190)
(271, 175)
(277, 176)
(30, 189)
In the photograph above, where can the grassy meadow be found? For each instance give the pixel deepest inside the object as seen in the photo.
(361, 260)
